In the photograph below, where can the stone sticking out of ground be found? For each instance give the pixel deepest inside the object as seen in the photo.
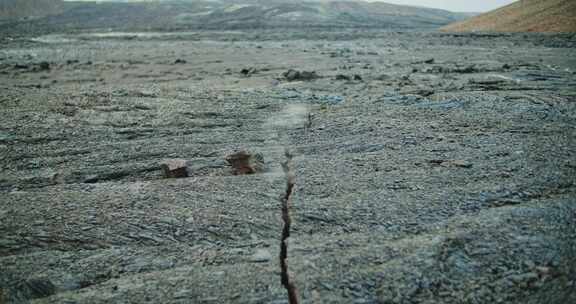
(175, 168)
(44, 66)
(451, 163)
(248, 71)
(294, 75)
(261, 256)
(354, 77)
(243, 163)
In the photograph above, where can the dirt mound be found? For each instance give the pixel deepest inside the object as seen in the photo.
(523, 16)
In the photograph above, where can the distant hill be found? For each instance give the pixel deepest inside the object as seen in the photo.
(241, 14)
(523, 16)
(18, 9)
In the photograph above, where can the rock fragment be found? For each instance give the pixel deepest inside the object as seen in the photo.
(261, 256)
(175, 168)
(343, 77)
(424, 92)
(355, 77)
(383, 77)
(460, 164)
(19, 66)
(243, 162)
(524, 279)
(294, 75)
(44, 66)
(451, 163)
(248, 71)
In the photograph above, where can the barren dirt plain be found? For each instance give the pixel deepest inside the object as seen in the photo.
(430, 167)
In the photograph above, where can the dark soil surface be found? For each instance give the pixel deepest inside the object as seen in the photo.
(430, 168)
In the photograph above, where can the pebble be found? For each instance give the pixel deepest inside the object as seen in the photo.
(543, 270)
(461, 164)
(261, 256)
(521, 278)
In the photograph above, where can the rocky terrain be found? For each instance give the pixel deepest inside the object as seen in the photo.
(523, 16)
(429, 167)
(224, 15)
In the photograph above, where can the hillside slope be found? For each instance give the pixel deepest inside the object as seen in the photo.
(241, 14)
(16, 9)
(523, 16)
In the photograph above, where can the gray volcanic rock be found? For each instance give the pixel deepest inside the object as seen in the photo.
(450, 181)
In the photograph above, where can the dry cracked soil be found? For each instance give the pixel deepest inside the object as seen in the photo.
(430, 167)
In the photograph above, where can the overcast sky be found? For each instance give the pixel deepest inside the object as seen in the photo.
(455, 5)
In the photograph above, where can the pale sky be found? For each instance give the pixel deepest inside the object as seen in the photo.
(455, 5)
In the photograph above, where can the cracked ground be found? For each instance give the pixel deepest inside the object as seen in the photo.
(430, 168)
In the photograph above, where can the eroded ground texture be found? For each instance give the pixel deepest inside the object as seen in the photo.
(431, 168)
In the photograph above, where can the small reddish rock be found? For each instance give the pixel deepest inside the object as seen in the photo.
(243, 162)
(175, 168)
